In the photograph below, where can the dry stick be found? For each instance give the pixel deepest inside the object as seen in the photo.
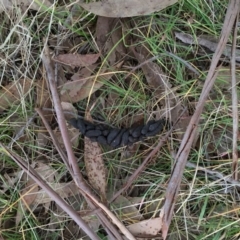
(72, 160)
(54, 196)
(234, 105)
(146, 160)
(183, 152)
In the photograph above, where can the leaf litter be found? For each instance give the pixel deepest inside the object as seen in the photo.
(85, 86)
(127, 8)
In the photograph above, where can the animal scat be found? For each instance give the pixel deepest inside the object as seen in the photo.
(116, 137)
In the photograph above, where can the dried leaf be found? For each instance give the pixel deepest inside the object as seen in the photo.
(148, 228)
(109, 39)
(13, 93)
(103, 28)
(77, 60)
(127, 8)
(95, 167)
(74, 91)
(68, 109)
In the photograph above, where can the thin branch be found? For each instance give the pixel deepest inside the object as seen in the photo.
(234, 105)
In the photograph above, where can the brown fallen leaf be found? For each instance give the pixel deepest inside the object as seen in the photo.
(126, 8)
(83, 88)
(103, 28)
(150, 227)
(109, 39)
(69, 110)
(96, 171)
(12, 93)
(70, 89)
(77, 60)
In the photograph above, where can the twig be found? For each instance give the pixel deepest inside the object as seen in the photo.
(184, 149)
(234, 105)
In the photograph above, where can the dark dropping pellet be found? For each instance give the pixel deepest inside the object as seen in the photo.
(93, 133)
(73, 122)
(81, 126)
(105, 132)
(125, 136)
(153, 126)
(100, 127)
(89, 126)
(156, 130)
(102, 140)
(137, 131)
(112, 135)
(132, 139)
(145, 128)
(116, 141)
